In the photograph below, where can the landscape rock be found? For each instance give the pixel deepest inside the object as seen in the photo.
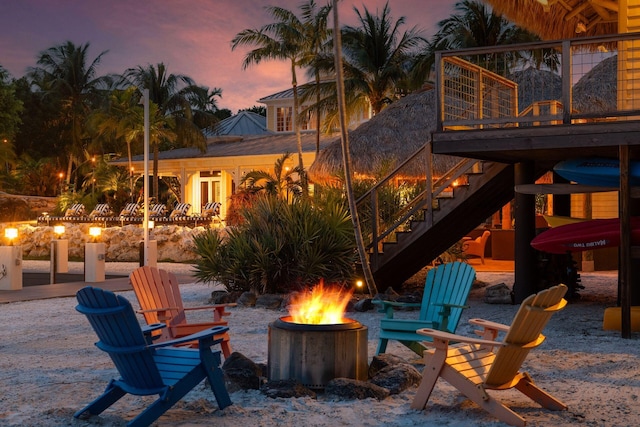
(347, 388)
(247, 299)
(397, 378)
(286, 389)
(383, 360)
(269, 301)
(498, 294)
(241, 373)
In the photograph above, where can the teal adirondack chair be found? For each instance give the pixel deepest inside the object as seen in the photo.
(445, 294)
(148, 369)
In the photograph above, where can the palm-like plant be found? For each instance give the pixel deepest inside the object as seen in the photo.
(64, 73)
(283, 183)
(317, 48)
(376, 56)
(475, 25)
(173, 115)
(284, 39)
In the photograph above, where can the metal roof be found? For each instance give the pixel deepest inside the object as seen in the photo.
(243, 123)
(244, 146)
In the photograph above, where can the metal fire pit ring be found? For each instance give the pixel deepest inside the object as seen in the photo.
(315, 354)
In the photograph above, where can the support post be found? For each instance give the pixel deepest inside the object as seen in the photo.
(525, 231)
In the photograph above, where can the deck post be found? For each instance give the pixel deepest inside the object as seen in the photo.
(525, 255)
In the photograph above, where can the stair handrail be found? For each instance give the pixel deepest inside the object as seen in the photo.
(421, 202)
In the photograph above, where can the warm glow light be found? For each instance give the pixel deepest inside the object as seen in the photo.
(151, 224)
(11, 233)
(95, 231)
(320, 306)
(58, 229)
(359, 284)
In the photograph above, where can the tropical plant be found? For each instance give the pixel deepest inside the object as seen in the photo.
(376, 63)
(285, 40)
(475, 25)
(284, 182)
(65, 74)
(280, 247)
(172, 95)
(10, 111)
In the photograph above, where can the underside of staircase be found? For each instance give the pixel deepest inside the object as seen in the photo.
(455, 217)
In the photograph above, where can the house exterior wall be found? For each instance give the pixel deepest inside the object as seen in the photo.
(603, 205)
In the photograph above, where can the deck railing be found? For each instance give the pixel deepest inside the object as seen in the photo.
(537, 84)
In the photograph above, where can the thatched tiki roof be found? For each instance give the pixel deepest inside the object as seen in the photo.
(556, 19)
(382, 143)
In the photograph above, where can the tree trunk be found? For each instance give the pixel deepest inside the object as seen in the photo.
(346, 155)
(296, 127)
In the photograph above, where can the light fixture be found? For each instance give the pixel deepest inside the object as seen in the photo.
(11, 233)
(58, 230)
(151, 224)
(95, 232)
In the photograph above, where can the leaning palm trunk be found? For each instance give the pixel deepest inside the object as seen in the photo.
(346, 158)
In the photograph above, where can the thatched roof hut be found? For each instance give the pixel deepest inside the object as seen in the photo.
(553, 20)
(382, 143)
(597, 90)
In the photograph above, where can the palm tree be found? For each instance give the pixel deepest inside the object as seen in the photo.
(171, 93)
(282, 183)
(475, 25)
(284, 39)
(318, 38)
(65, 74)
(376, 55)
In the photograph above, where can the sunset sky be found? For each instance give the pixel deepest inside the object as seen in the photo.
(192, 37)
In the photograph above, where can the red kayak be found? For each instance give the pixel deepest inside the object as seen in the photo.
(584, 236)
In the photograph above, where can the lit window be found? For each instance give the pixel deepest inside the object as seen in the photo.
(284, 119)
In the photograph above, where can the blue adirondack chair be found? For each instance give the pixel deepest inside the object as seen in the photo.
(145, 368)
(445, 294)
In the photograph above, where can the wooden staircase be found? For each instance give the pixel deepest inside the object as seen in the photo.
(426, 226)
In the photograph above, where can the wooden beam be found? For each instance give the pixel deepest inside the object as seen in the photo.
(607, 4)
(576, 11)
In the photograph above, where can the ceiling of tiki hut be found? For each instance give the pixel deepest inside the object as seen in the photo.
(379, 145)
(561, 19)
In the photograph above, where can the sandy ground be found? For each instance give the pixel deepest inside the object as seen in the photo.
(49, 368)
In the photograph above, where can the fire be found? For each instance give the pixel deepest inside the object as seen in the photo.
(320, 306)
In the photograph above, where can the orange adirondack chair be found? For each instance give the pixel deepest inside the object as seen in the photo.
(476, 365)
(160, 302)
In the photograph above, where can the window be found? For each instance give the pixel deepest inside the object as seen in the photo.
(284, 119)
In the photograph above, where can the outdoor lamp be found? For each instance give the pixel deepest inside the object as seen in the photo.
(151, 224)
(11, 233)
(58, 230)
(95, 232)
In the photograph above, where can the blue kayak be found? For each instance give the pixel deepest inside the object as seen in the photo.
(598, 171)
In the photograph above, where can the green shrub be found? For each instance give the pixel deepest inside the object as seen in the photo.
(280, 247)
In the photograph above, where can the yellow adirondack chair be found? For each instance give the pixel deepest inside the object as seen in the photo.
(160, 301)
(475, 365)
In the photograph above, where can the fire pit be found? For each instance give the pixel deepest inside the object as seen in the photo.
(315, 353)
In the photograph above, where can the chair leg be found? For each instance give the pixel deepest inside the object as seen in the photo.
(528, 388)
(382, 346)
(225, 345)
(111, 395)
(433, 364)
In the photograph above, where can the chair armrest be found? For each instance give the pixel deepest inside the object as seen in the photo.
(147, 331)
(490, 329)
(387, 306)
(162, 312)
(446, 336)
(218, 309)
(446, 312)
(200, 336)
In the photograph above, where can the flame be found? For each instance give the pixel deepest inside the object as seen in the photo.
(320, 306)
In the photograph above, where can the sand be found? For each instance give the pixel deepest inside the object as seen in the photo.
(49, 368)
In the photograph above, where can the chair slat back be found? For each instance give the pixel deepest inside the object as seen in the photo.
(153, 290)
(525, 332)
(120, 335)
(447, 283)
